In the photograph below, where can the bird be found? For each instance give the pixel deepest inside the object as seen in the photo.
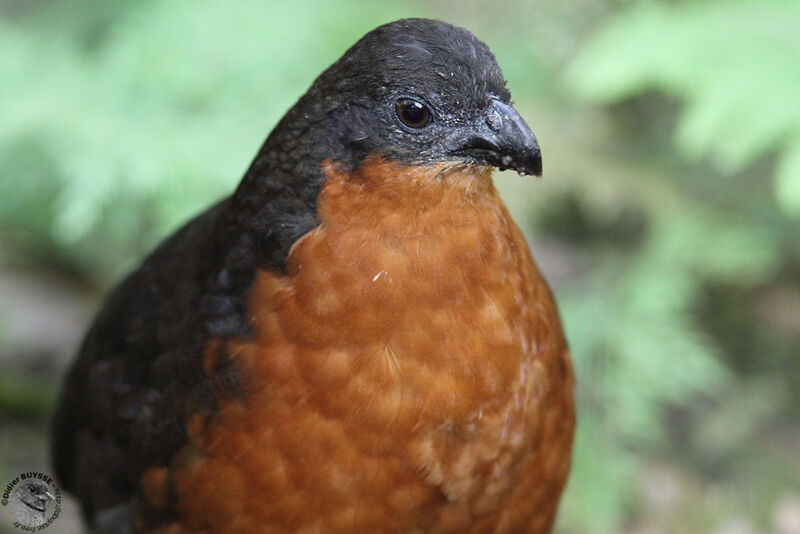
(28, 503)
(357, 339)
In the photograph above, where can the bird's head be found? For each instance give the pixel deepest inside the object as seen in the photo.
(33, 495)
(413, 95)
(416, 92)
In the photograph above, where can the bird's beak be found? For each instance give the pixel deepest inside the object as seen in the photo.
(504, 141)
(49, 496)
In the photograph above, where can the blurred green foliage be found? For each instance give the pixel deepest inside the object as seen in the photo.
(637, 323)
(673, 255)
(735, 64)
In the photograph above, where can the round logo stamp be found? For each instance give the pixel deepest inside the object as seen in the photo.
(33, 500)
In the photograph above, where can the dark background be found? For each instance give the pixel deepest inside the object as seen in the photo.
(667, 221)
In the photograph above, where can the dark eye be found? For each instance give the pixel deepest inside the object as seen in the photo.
(412, 113)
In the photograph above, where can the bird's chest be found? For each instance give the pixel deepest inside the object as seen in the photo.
(394, 373)
(423, 312)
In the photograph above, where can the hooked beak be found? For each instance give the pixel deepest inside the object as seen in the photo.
(504, 141)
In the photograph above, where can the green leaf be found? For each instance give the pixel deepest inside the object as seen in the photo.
(733, 63)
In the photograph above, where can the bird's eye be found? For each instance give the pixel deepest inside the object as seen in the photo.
(412, 113)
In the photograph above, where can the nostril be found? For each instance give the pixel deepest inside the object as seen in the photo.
(494, 120)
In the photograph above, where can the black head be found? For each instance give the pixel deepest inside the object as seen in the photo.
(416, 91)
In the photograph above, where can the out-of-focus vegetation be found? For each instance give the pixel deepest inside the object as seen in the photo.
(668, 221)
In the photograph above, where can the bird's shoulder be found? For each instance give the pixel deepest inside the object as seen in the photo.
(138, 370)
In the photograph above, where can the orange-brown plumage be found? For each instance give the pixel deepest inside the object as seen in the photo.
(356, 340)
(408, 372)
